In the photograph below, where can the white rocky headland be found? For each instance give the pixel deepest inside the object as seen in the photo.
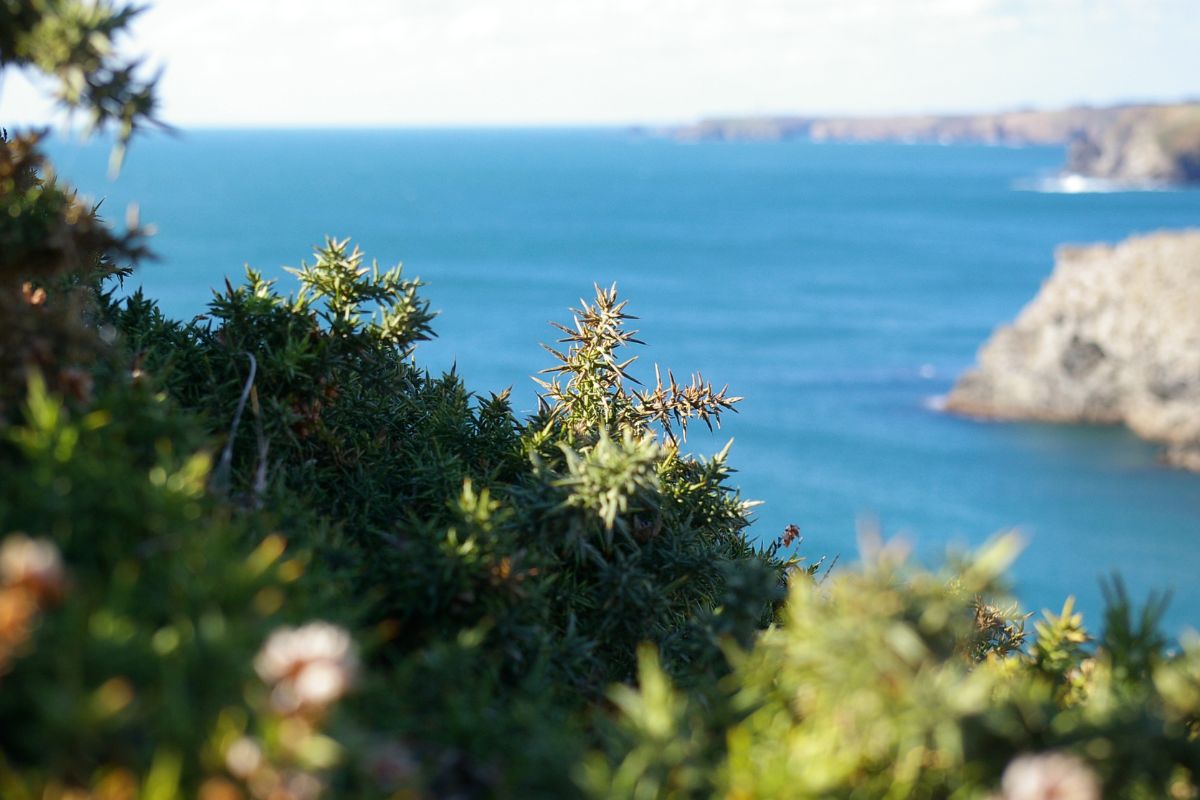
(1112, 337)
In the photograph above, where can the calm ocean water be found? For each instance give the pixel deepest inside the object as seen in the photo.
(837, 287)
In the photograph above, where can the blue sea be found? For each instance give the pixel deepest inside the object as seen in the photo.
(839, 288)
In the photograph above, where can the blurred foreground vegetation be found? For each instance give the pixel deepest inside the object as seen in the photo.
(263, 554)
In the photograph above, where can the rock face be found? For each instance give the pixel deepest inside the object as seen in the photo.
(1112, 337)
(1131, 144)
(1150, 145)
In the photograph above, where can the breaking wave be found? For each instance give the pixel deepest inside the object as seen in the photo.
(1081, 184)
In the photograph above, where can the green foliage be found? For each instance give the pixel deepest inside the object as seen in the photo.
(440, 510)
(865, 690)
(426, 515)
(593, 395)
(75, 43)
(164, 600)
(342, 285)
(52, 250)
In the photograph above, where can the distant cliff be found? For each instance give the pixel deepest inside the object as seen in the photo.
(1155, 144)
(1112, 337)
(1131, 143)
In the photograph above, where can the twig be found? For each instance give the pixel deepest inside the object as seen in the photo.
(260, 472)
(221, 475)
(829, 569)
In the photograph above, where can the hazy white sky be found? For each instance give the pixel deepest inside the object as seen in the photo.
(429, 62)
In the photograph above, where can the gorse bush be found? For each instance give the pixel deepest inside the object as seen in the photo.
(264, 554)
(868, 687)
(433, 510)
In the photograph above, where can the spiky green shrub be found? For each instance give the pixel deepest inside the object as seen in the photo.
(554, 545)
(517, 565)
(872, 686)
(153, 599)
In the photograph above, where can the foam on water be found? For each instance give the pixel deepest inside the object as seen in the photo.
(934, 402)
(1072, 183)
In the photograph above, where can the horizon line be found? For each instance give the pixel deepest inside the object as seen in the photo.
(65, 127)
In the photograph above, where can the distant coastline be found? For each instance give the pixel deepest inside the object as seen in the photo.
(1138, 144)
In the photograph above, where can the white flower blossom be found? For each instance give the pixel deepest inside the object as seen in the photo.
(1049, 776)
(33, 564)
(307, 668)
(244, 757)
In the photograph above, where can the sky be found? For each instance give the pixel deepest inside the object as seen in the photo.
(305, 63)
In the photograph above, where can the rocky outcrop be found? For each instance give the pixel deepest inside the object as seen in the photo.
(1131, 144)
(1112, 337)
(1146, 146)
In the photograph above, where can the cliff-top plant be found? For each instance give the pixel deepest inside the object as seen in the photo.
(590, 387)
